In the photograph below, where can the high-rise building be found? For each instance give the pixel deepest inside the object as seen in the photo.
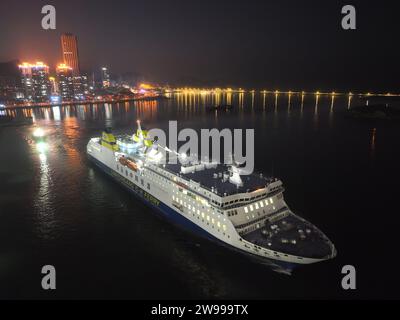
(35, 81)
(26, 80)
(65, 81)
(10, 81)
(69, 46)
(105, 77)
(80, 87)
(53, 85)
(41, 83)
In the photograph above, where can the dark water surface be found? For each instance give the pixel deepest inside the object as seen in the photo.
(341, 174)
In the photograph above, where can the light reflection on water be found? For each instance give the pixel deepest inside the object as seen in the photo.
(74, 205)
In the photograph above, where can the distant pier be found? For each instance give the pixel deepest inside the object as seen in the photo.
(84, 102)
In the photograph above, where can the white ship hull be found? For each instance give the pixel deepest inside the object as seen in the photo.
(163, 196)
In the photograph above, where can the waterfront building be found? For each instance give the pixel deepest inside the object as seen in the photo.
(35, 81)
(65, 81)
(69, 47)
(105, 77)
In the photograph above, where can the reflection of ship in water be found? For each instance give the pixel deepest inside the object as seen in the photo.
(245, 212)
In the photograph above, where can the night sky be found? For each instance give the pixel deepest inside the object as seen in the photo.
(253, 44)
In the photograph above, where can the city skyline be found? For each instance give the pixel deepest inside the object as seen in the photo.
(234, 44)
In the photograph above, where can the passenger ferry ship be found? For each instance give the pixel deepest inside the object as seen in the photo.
(243, 212)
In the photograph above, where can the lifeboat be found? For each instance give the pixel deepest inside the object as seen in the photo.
(128, 162)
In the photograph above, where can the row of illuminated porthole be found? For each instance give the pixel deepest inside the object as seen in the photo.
(202, 214)
(258, 205)
(201, 201)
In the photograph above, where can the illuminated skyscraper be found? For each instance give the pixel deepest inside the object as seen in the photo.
(65, 81)
(10, 81)
(80, 87)
(105, 77)
(69, 46)
(35, 81)
(26, 80)
(53, 85)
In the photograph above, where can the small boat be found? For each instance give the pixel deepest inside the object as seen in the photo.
(221, 107)
(128, 162)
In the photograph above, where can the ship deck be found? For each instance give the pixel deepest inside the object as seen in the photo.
(207, 179)
(292, 235)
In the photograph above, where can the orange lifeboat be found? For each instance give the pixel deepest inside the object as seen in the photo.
(128, 162)
(132, 165)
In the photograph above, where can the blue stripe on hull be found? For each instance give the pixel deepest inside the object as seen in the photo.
(162, 208)
(178, 219)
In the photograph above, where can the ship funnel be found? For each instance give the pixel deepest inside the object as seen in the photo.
(108, 140)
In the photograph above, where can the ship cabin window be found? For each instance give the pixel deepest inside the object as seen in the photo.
(142, 182)
(251, 207)
(118, 167)
(136, 178)
(261, 204)
(131, 175)
(126, 172)
(148, 186)
(246, 210)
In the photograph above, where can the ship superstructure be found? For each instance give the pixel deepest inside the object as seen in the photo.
(244, 212)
